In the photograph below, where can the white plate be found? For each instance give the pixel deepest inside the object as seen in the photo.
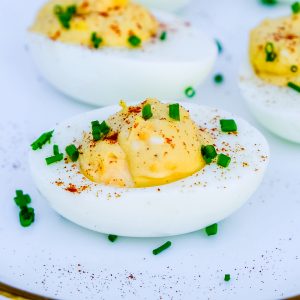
(258, 245)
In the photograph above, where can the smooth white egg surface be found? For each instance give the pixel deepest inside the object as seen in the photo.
(161, 69)
(168, 5)
(187, 205)
(277, 108)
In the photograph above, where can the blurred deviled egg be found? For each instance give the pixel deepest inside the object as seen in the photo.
(270, 79)
(151, 169)
(101, 51)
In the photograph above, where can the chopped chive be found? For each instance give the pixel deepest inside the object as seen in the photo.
(134, 41)
(294, 86)
(53, 159)
(270, 53)
(26, 216)
(162, 248)
(174, 111)
(223, 160)
(269, 2)
(72, 152)
(163, 36)
(104, 128)
(22, 200)
(42, 140)
(208, 152)
(228, 125)
(112, 237)
(219, 45)
(212, 229)
(147, 112)
(65, 16)
(294, 68)
(295, 7)
(96, 40)
(55, 150)
(227, 277)
(190, 92)
(99, 130)
(218, 78)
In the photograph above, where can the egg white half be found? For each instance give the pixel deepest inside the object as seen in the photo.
(168, 5)
(277, 108)
(163, 69)
(187, 205)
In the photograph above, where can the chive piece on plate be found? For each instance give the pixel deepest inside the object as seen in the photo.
(147, 112)
(223, 160)
(295, 7)
(55, 158)
(174, 111)
(163, 36)
(162, 248)
(22, 200)
(26, 216)
(112, 237)
(208, 152)
(218, 78)
(294, 86)
(42, 140)
(212, 229)
(228, 125)
(227, 277)
(72, 152)
(134, 41)
(190, 92)
(219, 45)
(55, 150)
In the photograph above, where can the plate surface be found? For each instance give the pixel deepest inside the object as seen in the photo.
(258, 245)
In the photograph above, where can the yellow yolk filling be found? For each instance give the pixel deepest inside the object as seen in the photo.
(142, 153)
(283, 37)
(113, 21)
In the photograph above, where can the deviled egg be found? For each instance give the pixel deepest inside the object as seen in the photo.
(270, 78)
(98, 51)
(150, 169)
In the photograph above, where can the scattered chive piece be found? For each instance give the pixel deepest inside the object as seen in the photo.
(174, 111)
(269, 2)
(72, 152)
(134, 41)
(208, 152)
(55, 150)
(162, 248)
(294, 86)
(223, 160)
(26, 216)
(112, 237)
(219, 45)
(53, 159)
(42, 140)
(65, 16)
(147, 112)
(96, 40)
(228, 125)
(218, 78)
(190, 92)
(295, 7)
(227, 277)
(163, 36)
(270, 53)
(294, 68)
(99, 130)
(22, 200)
(212, 229)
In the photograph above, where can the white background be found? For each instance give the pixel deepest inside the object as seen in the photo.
(259, 245)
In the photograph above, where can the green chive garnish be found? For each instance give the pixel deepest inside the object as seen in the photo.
(218, 78)
(147, 112)
(134, 41)
(228, 125)
(227, 277)
(22, 200)
(26, 216)
(163, 36)
(295, 7)
(219, 45)
(190, 92)
(55, 150)
(42, 140)
(99, 130)
(212, 229)
(65, 16)
(162, 248)
(294, 68)
(72, 152)
(209, 153)
(112, 237)
(56, 156)
(294, 86)
(269, 2)
(174, 111)
(270, 53)
(223, 160)
(96, 40)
